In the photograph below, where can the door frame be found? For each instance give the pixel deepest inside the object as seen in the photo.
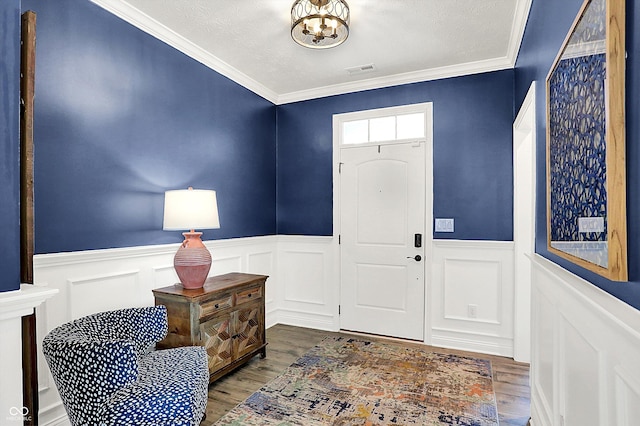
(427, 239)
(524, 143)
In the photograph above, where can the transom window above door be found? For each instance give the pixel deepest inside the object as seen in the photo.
(385, 128)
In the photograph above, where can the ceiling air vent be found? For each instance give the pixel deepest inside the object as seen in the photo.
(361, 69)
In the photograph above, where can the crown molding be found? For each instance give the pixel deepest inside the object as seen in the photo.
(398, 79)
(509, 61)
(140, 20)
(144, 22)
(523, 7)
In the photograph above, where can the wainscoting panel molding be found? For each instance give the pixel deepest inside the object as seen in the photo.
(585, 352)
(264, 261)
(628, 389)
(99, 280)
(308, 284)
(472, 296)
(110, 287)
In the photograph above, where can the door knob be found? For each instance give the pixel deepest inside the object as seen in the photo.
(417, 258)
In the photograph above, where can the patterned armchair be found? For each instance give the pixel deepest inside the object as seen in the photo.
(108, 373)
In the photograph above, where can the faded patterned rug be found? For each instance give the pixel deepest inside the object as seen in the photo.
(348, 381)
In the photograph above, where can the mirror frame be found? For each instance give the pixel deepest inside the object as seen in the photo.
(615, 174)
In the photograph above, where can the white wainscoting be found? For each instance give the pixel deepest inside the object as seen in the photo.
(308, 284)
(586, 348)
(99, 280)
(586, 343)
(13, 306)
(303, 289)
(468, 276)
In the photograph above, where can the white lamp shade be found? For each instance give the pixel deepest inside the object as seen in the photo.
(186, 209)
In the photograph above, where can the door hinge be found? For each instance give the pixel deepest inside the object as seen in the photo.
(338, 309)
(340, 167)
(339, 239)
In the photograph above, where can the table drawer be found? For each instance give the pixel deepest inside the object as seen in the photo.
(212, 306)
(248, 295)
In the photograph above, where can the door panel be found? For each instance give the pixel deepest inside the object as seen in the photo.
(382, 207)
(372, 288)
(382, 189)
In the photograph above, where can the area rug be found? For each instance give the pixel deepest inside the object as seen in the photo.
(348, 381)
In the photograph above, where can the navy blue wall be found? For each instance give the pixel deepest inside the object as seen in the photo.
(548, 24)
(121, 117)
(472, 168)
(9, 144)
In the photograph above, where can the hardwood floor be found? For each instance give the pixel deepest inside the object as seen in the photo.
(287, 343)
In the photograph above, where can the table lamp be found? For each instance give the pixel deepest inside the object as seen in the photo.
(191, 209)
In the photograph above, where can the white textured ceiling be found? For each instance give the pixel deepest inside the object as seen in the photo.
(249, 41)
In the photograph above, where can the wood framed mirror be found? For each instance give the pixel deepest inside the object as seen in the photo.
(586, 179)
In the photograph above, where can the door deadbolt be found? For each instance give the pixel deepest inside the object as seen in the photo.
(417, 258)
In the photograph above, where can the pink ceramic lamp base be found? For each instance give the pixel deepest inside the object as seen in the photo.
(192, 261)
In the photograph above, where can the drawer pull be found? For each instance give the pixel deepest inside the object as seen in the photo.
(249, 295)
(213, 306)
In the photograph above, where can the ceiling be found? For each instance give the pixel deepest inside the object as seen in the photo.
(407, 41)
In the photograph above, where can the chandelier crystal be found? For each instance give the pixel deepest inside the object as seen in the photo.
(320, 24)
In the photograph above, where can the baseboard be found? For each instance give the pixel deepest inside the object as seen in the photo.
(271, 318)
(62, 421)
(472, 342)
(54, 415)
(307, 320)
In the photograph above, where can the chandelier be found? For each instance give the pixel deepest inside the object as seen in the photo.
(320, 24)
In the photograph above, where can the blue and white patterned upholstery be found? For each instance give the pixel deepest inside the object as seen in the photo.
(108, 373)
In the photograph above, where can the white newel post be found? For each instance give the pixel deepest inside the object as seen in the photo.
(13, 306)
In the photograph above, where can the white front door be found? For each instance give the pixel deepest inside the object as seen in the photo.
(382, 216)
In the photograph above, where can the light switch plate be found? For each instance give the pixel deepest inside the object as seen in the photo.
(590, 224)
(444, 225)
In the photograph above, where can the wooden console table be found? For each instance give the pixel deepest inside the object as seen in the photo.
(226, 316)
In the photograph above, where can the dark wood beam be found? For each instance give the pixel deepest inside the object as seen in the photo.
(27, 92)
